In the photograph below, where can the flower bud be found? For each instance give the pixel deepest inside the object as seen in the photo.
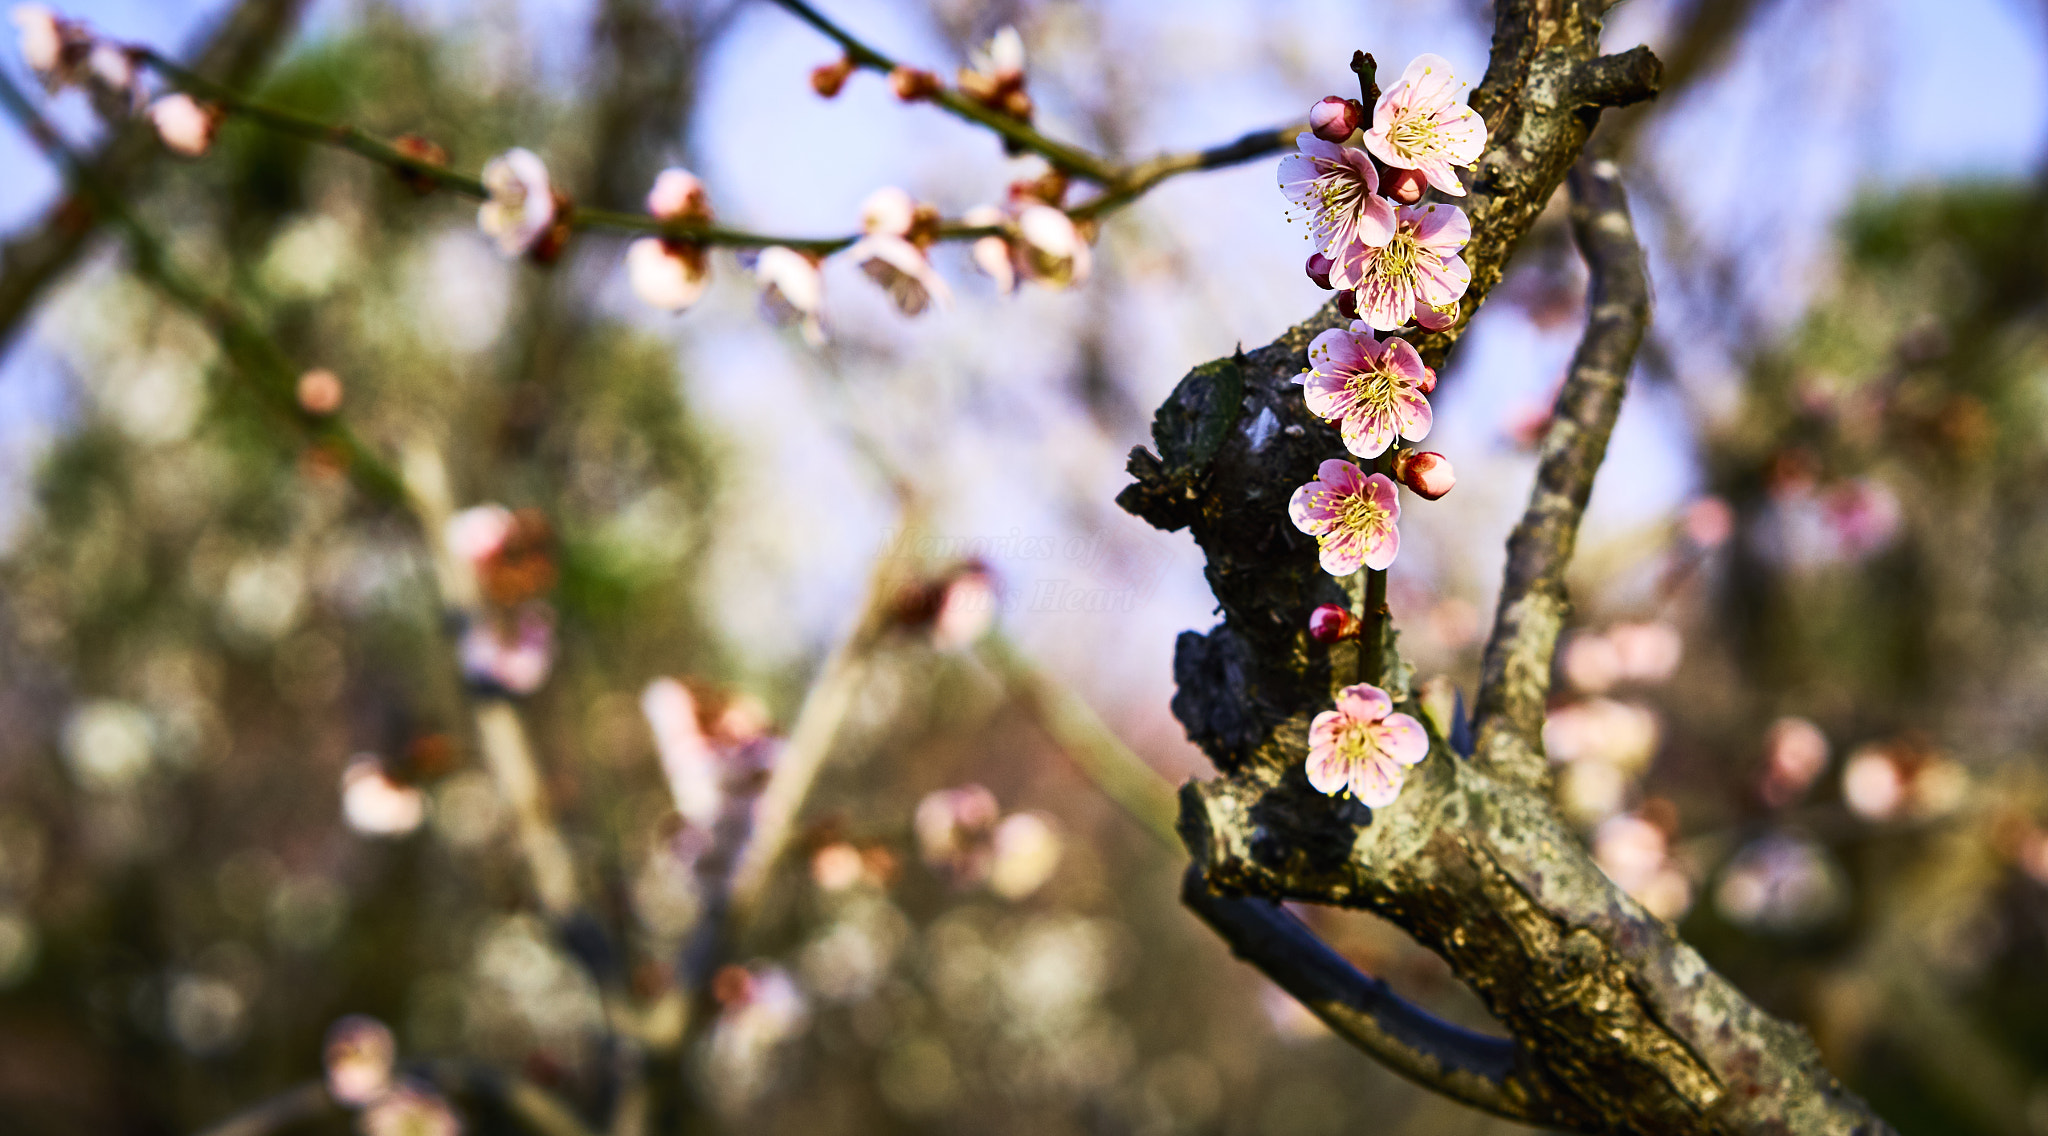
(1318, 269)
(912, 85)
(1428, 383)
(319, 391)
(828, 78)
(1404, 186)
(1332, 624)
(1428, 474)
(185, 124)
(1335, 119)
(1347, 304)
(423, 151)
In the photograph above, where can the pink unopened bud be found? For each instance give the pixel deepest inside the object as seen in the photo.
(1428, 383)
(1428, 474)
(1334, 119)
(185, 124)
(1332, 624)
(827, 78)
(1405, 186)
(319, 391)
(1347, 304)
(912, 85)
(1318, 269)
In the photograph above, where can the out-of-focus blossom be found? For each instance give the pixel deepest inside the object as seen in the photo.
(1290, 1019)
(1620, 734)
(678, 195)
(1371, 389)
(1329, 623)
(1795, 755)
(687, 759)
(319, 391)
(512, 553)
(891, 253)
(1335, 119)
(837, 866)
(56, 49)
(375, 805)
(510, 656)
(409, 1110)
(758, 1012)
(792, 290)
(667, 274)
(1417, 268)
(1810, 528)
(1049, 249)
(1363, 745)
(994, 76)
(1427, 473)
(2031, 853)
(1864, 515)
(358, 1056)
(1708, 522)
(992, 254)
(1903, 778)
(1591, 663)
(113, 72)
(1648, 652)
(1420, 125)
(966, 609)
(954, 828)
(522, 208)
(477, 533)
(1336, 189)
(185, 125)
(913, 85)
(1025, 848)
(1636, 854)
(108, 745)
(829, 78)
(1351, 515)
(1781, 883)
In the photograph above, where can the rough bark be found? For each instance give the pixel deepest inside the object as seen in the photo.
(1614, 1024)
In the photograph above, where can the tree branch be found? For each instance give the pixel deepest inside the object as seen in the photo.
(238, 47)
(1515, 675)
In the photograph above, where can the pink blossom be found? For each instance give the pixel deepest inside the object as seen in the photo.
(375, 805)
(479, 532)
(1420, 125)
(1426, 473)
(678, 195)
(1351, 516)
(359, 1054)
(1795, 755)
(1049, 250)
(992, 254)
(521, 208)
(1418, 267)
(1371, 389)
(1338, 190)
(53, 47)
(512, 659)
(792, 290)
(954, 828)
(409, 1111)
(687, 759)
(667, 274)
(185, 125)
(1362, 746)
(994, 76)
(112, 68)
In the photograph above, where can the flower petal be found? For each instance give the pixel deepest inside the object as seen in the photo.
(1380, 552)
(1341, 476)
(1402, 738)
(1368, 434)
(1441, 228)
(1336, 350)
(1364, 702)
(1431, 85)
(1376, 781)
(1340, 553)
(1309, 511)
(1412, 413)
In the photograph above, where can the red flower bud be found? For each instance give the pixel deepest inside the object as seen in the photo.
(1318, 268)
(912, 85)
(423, 151)
(1334, 119)
(1404, 186)
(1428, 474)
(1347, 304)
(1332, 624)
(1428, 383)
(827, 78)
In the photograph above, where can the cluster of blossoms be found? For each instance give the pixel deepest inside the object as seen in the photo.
(1032, 238)
(360, 1054)
(963, 835)
(66, 53)
(1396, 260)
(510, 648)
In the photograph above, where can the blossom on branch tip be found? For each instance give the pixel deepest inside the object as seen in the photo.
(1426, 472)
(1338, 190)
(522, 211)
(1336, 119)
(992, 254)
(666, 273)
(1372, 389)
(54, 48)
(1049, 248)
(678, 195)
(994, 76)
(374, 804)
(828, 78)
(359, 1054)
(1363, 745)
(1351, 514)
(1417, 267)
(792, 290)
(892, 252)
(184, 123)
(1420, 125)
(510, 657)
(112, 69)
(912, 85)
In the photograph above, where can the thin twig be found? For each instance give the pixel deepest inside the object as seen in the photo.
(295, 1105)
(1121, 185)
(1515, 675)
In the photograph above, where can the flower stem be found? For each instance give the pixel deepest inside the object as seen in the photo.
(1373, 640)
(1367, 69)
